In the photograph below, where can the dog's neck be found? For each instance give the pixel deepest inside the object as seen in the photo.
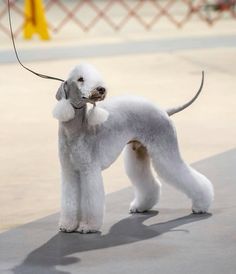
(74, 126)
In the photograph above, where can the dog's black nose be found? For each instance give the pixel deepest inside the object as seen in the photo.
(101, 90)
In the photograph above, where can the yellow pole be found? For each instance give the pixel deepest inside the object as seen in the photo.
(35, 20)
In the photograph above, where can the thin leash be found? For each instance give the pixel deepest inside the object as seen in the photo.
(44, 76)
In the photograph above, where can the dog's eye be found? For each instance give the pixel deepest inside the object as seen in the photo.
(81, 79)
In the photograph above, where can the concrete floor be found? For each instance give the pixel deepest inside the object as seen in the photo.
(170, 240)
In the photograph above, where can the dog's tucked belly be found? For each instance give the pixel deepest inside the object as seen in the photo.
(110, 154)
(141, 124)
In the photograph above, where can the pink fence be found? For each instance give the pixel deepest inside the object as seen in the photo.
(85, 14)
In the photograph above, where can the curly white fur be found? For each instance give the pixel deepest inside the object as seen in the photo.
(63, 111)
(148, 136)
(97, 116)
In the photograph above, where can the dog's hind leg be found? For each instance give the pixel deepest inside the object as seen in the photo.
(138, 169)
(171, 168)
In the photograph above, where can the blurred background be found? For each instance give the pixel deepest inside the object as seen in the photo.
(155, 49)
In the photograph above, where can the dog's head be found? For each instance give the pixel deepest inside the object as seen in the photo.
(84, 85)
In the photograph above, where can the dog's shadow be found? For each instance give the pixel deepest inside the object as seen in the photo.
(58, 249)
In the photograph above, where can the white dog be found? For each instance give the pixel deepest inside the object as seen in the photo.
(90, 141)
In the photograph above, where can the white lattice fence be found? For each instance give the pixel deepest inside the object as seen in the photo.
(86, 14)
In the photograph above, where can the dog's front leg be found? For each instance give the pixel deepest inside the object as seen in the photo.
(69, 217)
(92, 199)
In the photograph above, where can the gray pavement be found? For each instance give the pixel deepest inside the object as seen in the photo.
(170, 240)
(122, 48)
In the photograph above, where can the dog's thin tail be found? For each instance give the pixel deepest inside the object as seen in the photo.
(180, 108)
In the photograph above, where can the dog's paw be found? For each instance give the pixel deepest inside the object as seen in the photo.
(200, 207)
(203, 198)
(199, 211)
(134, 208)
(137, 206)
(68, 225)
(85, 228)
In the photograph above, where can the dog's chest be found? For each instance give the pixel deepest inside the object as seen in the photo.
(78, 153)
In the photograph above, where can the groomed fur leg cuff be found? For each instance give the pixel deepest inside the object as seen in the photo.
(97, 116)
(63, 111)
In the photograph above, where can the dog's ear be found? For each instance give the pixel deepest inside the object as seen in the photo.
(60, 92)
(68, 90)
(73, 92)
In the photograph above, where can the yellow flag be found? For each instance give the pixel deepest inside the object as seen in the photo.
(35, 20)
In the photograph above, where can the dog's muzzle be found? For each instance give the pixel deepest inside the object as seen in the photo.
(98, 94)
